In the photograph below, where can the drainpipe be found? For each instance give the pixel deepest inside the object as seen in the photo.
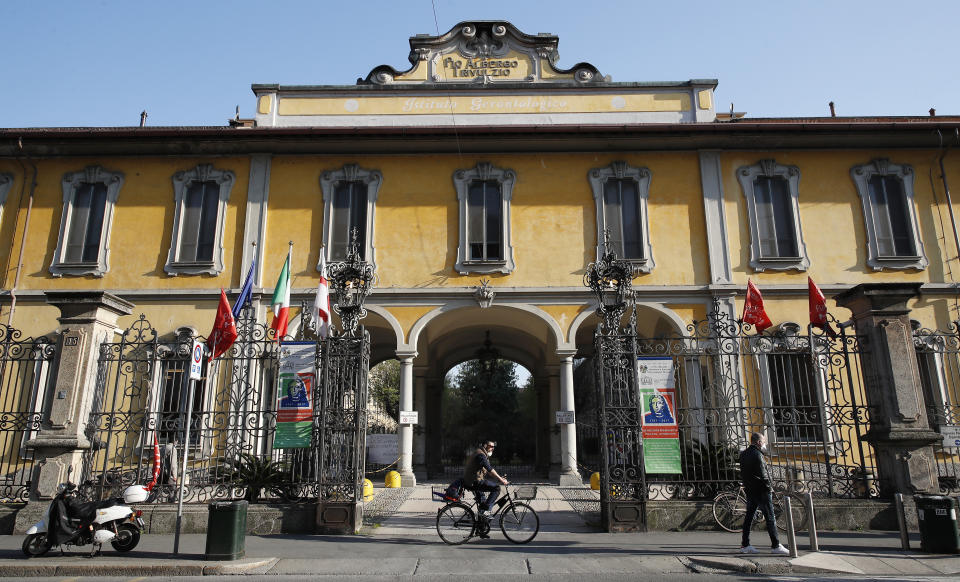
(26, 227)
(946, 189)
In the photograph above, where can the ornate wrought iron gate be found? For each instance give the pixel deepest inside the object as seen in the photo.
(24, 375)
(143, 392)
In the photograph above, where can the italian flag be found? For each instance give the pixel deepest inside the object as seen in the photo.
(281, 300)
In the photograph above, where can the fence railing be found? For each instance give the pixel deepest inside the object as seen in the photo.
(803, 391)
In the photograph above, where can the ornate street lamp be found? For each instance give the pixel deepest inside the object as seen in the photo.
(350, 281)
(611, 280)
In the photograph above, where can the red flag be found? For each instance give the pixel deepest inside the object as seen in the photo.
(818, 308)
(224, 331)
(156, 463)
(753, 311)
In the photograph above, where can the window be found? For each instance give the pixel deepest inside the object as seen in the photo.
(171, 400)
(886, 194)
(484, 195)
(620, 193)
(200, 198)
(776, 239)
(6, 182)
(349, 201)
(89, 197)
(934, 352)
(797, 415)
(793, 387)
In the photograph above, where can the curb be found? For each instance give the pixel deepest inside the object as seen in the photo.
(117, 569)
(712, 564)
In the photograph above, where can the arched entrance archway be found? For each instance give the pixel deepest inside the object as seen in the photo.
(452, 336)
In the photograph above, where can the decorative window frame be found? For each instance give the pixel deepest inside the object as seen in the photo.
(71, 181)
(747, 176)
(641, 175)
(507, 178)
(785, 339)
(861, 177)
(329, 179)
(225, 179)
(6, 182)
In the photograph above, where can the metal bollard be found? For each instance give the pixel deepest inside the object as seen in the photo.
(902, 520)
(791, 534)
(812, 524)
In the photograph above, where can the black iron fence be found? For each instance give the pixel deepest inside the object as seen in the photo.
(144, 395)
(24, 378)
(803, 391)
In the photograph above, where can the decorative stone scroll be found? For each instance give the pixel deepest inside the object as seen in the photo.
(484, 52)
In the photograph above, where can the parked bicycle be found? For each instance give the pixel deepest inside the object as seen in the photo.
(458, 521)
(730, 509)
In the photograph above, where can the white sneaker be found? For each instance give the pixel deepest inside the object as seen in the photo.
(780, 551)
(749, 550)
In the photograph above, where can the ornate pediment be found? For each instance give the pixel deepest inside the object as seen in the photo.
(485, 53)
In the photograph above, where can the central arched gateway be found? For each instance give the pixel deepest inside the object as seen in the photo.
(442, 336)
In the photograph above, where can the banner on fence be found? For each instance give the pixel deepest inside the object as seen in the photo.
(661, 439)
(296, 382)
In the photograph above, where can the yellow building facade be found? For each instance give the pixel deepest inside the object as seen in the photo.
(480, 181)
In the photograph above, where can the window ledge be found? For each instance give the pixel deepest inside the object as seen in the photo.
(192, 268)
(77, 269)
(902, 262)
(467, 267)
(780, 264)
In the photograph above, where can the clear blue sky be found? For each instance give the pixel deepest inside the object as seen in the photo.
(100, 62)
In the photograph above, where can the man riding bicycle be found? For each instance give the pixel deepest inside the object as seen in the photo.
(479, 476)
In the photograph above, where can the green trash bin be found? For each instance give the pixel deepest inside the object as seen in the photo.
(226, 530)
(937, 516)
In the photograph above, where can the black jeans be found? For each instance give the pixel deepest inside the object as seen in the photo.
(486, 486)
(763, 502)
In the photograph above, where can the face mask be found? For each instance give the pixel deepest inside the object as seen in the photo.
(763, 449)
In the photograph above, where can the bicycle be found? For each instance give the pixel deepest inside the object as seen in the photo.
(457, 521)
(729, 510)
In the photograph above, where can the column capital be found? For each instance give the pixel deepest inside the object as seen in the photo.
(566, 354)
(406, 354)
(878, 298)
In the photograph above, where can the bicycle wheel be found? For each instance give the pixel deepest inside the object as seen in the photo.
(455, 523)
(728, 511)
(797, 507)
(519, 523)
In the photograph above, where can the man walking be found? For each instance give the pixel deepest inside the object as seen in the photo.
(756, 484)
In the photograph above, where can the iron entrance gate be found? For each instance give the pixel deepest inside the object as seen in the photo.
(24, 375)
(143, 392)
(803, 391)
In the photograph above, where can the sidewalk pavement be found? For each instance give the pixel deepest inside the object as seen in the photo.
(399, 539)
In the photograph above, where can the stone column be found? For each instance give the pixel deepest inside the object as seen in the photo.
(405, 467)
(899, 430)
(87, 318)
(569, 473)
(420, 431)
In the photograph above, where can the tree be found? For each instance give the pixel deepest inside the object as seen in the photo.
(385, 387)
(483, 402)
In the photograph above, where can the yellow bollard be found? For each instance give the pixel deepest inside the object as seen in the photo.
(367, 489)
(595, 481)
(392, 480)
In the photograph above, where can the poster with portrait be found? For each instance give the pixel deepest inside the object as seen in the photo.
(661, 438)
(295, 386)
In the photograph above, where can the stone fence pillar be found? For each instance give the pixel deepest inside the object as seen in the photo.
(899, 431)
(87, 318)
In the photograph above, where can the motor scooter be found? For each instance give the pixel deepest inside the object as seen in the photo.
(72, 521)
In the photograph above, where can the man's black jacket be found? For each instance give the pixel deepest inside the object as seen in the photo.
(753, 471)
